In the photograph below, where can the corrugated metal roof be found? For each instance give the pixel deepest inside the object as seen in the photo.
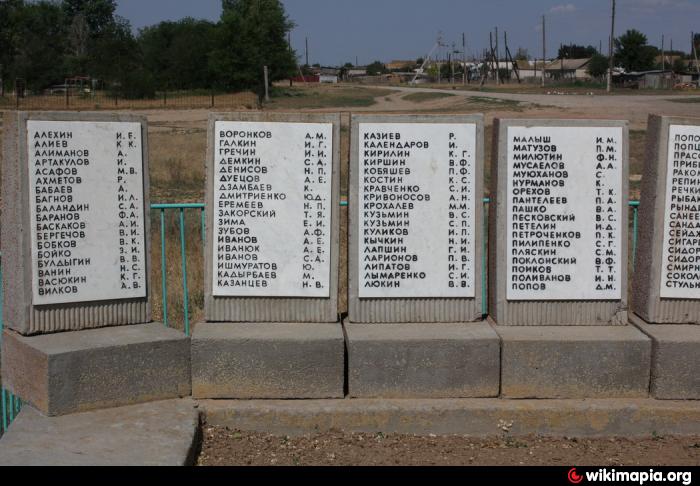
(568, 64)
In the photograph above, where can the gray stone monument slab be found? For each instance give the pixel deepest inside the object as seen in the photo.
(669, 226)
(666, 283)
(558, 223)
(268, 360)
(574, 362)
(75, 220)
(85, 370)
(423, 361)
(272, 239)
(433, 273)
(415, 326)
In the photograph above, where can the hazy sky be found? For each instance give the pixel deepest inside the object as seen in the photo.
(341, 30)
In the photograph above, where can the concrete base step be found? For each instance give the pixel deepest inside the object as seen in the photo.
(423, 360)
(268, 360)
(675, 359)
(570, 362)
(482, 417)
(153, 434)
(73, 372)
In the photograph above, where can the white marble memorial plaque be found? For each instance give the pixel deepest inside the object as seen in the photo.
(680, 266)
(87, 211)
(564, 223)
(416, 210)
(272, 209)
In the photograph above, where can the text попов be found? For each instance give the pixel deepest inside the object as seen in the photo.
(87, 211)
(272, 209)
(564, 226)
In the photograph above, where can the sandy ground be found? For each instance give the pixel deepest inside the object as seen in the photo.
(224, 447)
(635, 108)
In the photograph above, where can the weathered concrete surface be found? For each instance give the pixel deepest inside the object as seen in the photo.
(675, 360)
(472, 417)
(423, 360)
(574, 362)
(19, 312)
(155, 434)
(79, 371)
(648, 269)
(268, 360)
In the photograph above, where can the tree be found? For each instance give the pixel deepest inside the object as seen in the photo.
(633, 53)
(679, 66)
(10, 12)
(250, 35)
(41, 47)
(98, 14)
(376, 68)
(176, 53)
(598, 66)
(575, 51)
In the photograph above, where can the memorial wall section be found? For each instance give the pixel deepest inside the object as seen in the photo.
(75, 194)
(75, 244)
(415, 326)
(666, 282)
(558, 261)
(416, 219)
(272, 257)
(273, 184)
(559, 223)
(667, 279)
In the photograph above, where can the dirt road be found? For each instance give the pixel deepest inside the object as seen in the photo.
(635, 108)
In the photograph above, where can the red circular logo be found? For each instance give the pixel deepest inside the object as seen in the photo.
(574, 477)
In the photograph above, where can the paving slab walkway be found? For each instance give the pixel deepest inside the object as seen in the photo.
(154, 434)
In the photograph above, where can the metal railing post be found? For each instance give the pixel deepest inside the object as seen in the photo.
(163, 268)
(185, 291)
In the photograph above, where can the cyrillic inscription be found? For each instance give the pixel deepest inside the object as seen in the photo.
(87, 211)
(564, 225)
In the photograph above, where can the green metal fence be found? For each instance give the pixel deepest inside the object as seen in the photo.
(11, 404)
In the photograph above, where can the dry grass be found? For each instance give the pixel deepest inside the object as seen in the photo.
(422, 97)
(320, 97)
(103, 101)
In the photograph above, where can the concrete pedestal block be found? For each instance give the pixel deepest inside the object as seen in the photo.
(78, 371)
(423, 360)
(675, 359)
(268, 360)
(574, 362)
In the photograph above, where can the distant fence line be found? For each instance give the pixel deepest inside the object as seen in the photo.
(103, 100)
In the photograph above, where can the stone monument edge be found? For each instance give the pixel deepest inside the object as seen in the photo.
(354, 301)
(499, 305)
(216, 313)
(30, 314)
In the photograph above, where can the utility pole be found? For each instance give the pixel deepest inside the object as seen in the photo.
(612, 42)
(663, 54)
(695, 51)
(464, 58)
(307, 51)
(498, 57)
(544, 48)
(267, 85)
